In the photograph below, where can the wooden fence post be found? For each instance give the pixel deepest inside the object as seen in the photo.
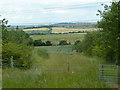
(68, 67)
(102, 68)
(11, 61)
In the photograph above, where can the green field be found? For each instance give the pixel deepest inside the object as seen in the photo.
(67, 49)
(37, 31)
(56, 38)
(67, 30)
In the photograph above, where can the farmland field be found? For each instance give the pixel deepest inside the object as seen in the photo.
(36, 29)
(56, 38)
(67, 49)
(58, 30)
(66, 30)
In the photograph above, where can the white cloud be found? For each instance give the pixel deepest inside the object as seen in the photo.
(48, 2)
(60, 11)
(25, 10)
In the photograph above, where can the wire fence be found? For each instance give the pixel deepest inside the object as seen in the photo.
(109, 73)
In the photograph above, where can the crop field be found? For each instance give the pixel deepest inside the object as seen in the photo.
(56, 38)
(36, 29)
(58, 30)
(66, 49)
(66, 30)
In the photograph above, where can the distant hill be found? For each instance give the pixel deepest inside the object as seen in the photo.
(76, 25)
(63, 24)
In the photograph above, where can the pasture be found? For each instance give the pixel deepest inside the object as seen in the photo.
(56, 38)
(66, 49)
(52, 72)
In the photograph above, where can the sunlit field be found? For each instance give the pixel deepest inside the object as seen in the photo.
(36, 29)
(66, 30)
(56, 38)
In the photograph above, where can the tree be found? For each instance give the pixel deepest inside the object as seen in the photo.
(48, 43)
(76, 42)
(4, 25)
(38, 43)
(63, 42)
(50, 29)
(21, 55)
(16, 44)
(110, 33)
(17, 27)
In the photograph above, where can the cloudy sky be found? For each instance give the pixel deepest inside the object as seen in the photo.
(50, 11)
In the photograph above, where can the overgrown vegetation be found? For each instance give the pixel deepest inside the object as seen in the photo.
(104, 43)
(16, 44)
(53, 73)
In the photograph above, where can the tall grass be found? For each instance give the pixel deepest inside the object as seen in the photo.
(53, 72)
(66, 49)
(15, 78)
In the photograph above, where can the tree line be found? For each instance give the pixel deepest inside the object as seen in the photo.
(105, 42)
(49, 43)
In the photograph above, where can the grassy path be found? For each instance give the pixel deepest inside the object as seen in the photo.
(83, 72)
(53, 72)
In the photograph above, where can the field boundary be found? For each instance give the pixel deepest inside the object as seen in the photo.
(109, 73)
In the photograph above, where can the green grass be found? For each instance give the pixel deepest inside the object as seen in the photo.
(66, 49)
(56, 38)
(15, 78)
(52, 72)
(35, 32)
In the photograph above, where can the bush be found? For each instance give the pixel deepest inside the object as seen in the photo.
(76, 42)
(16, 44)
(21, 55)
(63, 42)
(38, 43)
(48, 43)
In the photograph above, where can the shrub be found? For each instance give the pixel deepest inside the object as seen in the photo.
(48, 43)
(21, 55)
(38, 43)
(63, 42)
(76, 42)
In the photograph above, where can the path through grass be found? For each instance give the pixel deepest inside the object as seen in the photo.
(53, 72)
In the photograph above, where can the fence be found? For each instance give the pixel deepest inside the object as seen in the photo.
(59, 68)
(109, 73)
(11, 64)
